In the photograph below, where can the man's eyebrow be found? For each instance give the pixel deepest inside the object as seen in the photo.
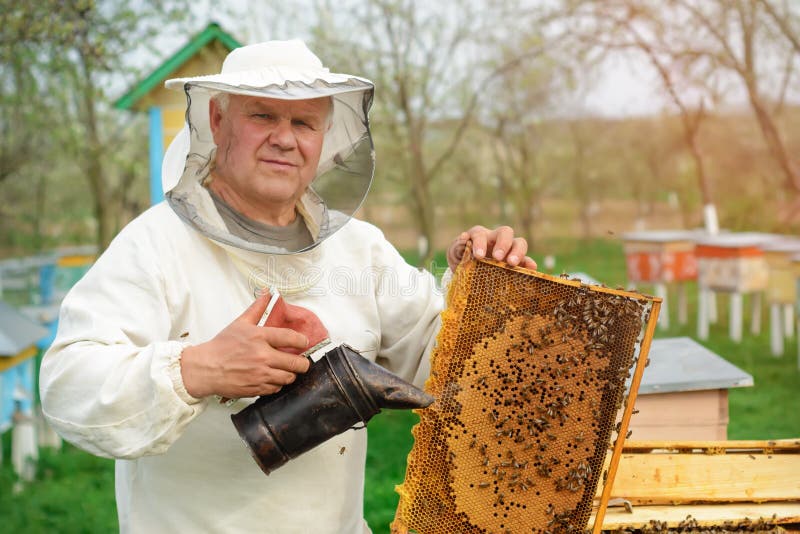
(256, 105)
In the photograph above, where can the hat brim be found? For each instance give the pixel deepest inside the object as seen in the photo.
(278, 82)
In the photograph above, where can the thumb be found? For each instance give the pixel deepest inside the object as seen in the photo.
(254, 312)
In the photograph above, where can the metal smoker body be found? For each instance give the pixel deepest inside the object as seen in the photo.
(339, 391)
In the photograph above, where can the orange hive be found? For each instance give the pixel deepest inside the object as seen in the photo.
(529, 373)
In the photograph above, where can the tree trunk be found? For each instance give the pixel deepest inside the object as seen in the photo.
(774, 142)
(92, 156)
(421, 196)
(38, 213)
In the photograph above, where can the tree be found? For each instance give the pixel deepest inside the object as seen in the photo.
(631, 26)
(71, 52)
(431, 63)
(738, 35)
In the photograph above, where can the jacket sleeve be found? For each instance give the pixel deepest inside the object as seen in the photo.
(409, 303)
(111, 382)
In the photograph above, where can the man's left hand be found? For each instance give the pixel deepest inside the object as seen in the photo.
(499, 244)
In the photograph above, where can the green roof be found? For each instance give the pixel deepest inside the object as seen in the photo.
(211, 32)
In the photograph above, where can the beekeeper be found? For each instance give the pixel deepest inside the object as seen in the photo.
(261, 185)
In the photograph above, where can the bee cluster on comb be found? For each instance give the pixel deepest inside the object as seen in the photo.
(529, 373)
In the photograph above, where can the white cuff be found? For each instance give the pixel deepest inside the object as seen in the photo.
(176, 349)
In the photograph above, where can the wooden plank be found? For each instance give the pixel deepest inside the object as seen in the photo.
(663, 478)
(690, 415)
(729, 445)
(9, 362)
(705, 515)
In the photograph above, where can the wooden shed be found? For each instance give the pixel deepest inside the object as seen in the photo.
(203, 54)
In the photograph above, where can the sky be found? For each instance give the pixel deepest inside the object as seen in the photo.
(622, 88)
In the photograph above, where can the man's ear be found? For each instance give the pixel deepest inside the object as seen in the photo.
(214, 118)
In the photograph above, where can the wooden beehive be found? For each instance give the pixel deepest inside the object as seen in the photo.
(732, 262)
(695, 485)
(660, 256)
(781, 287)
(529, 373)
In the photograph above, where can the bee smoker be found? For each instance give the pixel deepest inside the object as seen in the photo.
(339, 391)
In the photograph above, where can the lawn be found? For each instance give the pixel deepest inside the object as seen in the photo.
(74, 491)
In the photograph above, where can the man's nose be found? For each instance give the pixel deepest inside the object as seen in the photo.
(282, 136)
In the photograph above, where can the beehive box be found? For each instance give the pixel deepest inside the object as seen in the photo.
(689, 486)
(684, 392)
(781, 287)
(733, 262)
(660, 256)
(529, 373)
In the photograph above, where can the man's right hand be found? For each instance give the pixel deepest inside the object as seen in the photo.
(242, 360)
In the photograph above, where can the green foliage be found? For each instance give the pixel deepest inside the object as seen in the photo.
(72, 169)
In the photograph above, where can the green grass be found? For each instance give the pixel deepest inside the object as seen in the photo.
(74, 492)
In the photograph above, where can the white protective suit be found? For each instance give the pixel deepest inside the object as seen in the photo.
(111, 382)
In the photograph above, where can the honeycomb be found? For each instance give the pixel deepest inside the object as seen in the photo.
(529, 373)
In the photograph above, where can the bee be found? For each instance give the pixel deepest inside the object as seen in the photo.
(341, 450)
(483, 485)
(628, 506)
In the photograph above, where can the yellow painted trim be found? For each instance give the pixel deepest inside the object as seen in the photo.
(74, 261)
(8, 363)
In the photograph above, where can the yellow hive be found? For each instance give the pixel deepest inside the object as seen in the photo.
(529, 374)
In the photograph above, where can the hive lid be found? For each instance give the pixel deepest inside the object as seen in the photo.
(663, 236)
(738, 239)
(683, 364)
(17, 332)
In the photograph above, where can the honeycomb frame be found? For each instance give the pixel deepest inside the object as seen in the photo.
(529, 372)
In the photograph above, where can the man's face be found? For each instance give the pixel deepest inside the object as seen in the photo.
(268, 149)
